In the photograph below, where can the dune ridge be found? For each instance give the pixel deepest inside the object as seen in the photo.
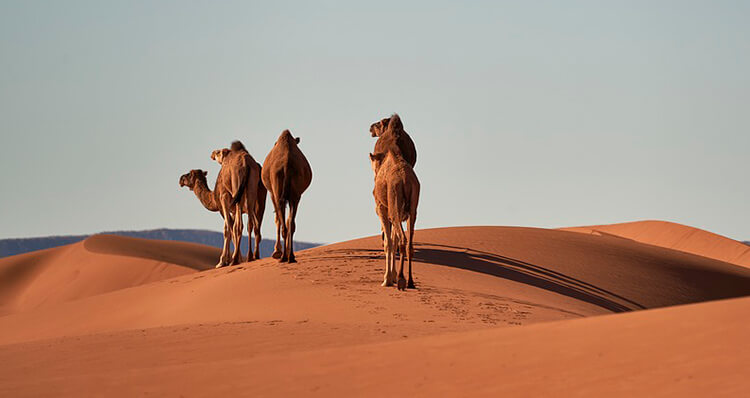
(96, 265)
(675, 236)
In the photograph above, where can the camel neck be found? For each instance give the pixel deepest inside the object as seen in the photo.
(205, 195)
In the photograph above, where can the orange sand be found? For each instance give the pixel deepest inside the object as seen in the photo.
(498, 310)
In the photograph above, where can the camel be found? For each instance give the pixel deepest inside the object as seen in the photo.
(392, 137)
(254, 217)
(286, 175)
(396, 195)
(391, 134)
(196, 180)
(238, 177)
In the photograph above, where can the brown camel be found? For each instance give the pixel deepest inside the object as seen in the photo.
(196, 180)
(396, 195)
(286, 175)
(254, 217)
(238, 178)
(391, 135)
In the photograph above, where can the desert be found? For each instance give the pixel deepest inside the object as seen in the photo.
(496, 310)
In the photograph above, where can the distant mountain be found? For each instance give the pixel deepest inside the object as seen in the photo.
(10, 247)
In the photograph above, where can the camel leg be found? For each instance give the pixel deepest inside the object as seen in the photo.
(250, 226)
(290, 228)
(260, 208)
(237, 235)
(250, 199)
(410, 247)
(277, 245)
(256, 231)
(385, 225)
(224, 259)
(281, 223)
(398, 235)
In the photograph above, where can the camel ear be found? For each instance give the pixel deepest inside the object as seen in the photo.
(377, 156)
(205, 173)
(297, 140)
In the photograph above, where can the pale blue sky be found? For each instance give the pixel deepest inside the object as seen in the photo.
(544, 113)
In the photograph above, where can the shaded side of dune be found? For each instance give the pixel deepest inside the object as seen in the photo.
(99, 264)
(191, 255)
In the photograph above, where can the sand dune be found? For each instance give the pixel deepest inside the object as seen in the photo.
(99, 264)
(676, 236)
(695, 350)
(325, 325)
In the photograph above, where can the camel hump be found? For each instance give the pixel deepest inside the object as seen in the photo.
(237, 146)
(395, 125)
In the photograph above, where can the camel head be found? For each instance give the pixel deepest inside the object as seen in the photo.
(219, 155)
(191, 178)
(376, 160)
(378, 128)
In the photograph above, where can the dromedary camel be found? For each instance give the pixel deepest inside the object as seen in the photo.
(391, 134)
(396, 195)
(254, 217)
(392, 137)
(286, 175)
(238, 177)
(196, 180)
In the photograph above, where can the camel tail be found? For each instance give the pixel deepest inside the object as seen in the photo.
(243, 186)
(395, 209)
(282, 186)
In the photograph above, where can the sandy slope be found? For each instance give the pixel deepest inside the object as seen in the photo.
(99, 264)
(676, 236)
(697, 350)
(326, 326)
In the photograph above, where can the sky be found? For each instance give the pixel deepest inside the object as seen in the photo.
(541, 114)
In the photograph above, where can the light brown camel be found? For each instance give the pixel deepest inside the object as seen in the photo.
(286, 175)
(396, 195)
(238, 178)
(391, 134)
(392, 137)
(254, 217)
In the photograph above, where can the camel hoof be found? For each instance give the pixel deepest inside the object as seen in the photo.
(386, 283)
(219, 265)
(276, 255)
(283, 260)
(292, 259)
(410, 285)
(401, 283)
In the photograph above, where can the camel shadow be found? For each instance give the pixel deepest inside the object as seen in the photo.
(526, 273)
